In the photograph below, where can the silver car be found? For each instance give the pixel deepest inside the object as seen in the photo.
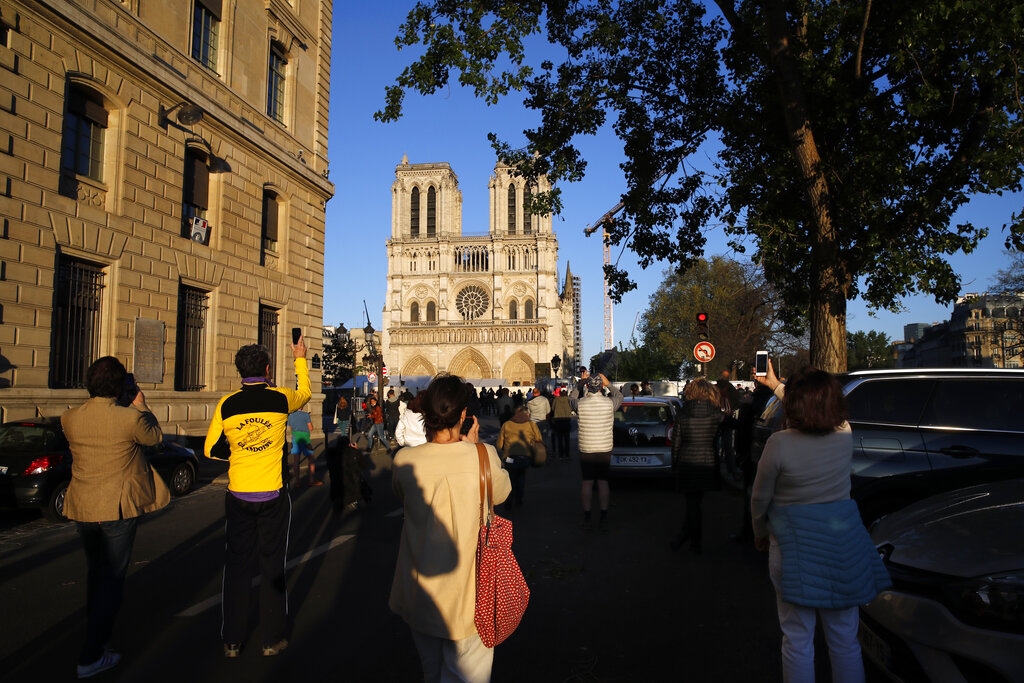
(956, 609)
(643, 436)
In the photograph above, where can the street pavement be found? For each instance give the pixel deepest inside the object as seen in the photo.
(611, 607)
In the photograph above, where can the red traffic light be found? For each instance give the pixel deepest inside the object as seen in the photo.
(702, 317)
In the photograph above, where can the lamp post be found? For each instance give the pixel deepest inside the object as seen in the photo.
(372, 359)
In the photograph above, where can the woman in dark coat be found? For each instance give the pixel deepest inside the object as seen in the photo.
(693, 455)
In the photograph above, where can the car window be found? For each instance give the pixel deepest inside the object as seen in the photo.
(899, 400)
(26, 437)
(643, 414)
(976, 404)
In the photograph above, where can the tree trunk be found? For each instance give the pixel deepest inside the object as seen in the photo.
(830, 279)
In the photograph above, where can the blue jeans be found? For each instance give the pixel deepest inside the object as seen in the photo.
(378, 430)
(108, 549)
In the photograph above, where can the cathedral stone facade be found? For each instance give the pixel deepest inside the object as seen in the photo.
(485, 305)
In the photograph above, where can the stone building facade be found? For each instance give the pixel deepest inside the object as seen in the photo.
(984, 331)
(165, 174)
(485, 306)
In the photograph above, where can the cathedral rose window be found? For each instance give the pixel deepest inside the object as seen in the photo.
(471, 302)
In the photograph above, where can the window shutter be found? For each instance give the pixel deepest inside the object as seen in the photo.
(200, 182)
(269, 216)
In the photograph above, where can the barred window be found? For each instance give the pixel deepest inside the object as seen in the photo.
(268, 332)
(76, 322)
(276, 82)
(205, 26)
(190, 352)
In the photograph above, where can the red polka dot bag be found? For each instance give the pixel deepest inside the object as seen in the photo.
(501, 590)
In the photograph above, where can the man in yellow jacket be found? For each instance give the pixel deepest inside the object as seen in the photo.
(257, 507)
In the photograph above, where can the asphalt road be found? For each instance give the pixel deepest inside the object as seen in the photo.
(610, 607)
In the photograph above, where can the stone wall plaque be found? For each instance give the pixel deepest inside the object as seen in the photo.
(149, 351)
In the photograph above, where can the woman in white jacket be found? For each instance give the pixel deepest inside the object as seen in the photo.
(410, 431)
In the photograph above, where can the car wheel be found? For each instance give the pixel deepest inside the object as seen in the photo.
(182, 479)
(54, 510)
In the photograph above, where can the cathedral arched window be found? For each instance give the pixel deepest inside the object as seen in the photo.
(529, 309)
(527, 216)
(511, 209)
(431, 212)
(414, 312)
(414, 212)
(431, 312)
(513, 310)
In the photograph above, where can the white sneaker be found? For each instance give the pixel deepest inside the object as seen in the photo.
(108, 661)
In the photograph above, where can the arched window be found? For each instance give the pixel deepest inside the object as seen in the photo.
(414, 312)
(511, 209)
(414, 212)
(431, 312)
(529, 309)
(513, 310)
(431, 212)
(527, 216)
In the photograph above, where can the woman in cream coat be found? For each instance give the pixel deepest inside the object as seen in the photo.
(434, 588)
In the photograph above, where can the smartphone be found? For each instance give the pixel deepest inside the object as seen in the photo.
(296, 333)
(467, 424)
(129, 391)
(761, 364)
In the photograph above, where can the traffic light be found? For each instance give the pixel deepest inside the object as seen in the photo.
(703, 332)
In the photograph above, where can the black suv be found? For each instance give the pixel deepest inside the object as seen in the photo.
(918, 432)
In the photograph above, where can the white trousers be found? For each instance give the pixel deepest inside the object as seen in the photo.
(454, 661)
(797, 622)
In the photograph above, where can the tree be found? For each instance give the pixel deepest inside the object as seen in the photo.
(866, 350)
(339, 359)
(842, 135)
(742, 312)
(1010, 280)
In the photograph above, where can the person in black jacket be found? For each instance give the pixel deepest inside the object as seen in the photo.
(693, 456)
(750, 409)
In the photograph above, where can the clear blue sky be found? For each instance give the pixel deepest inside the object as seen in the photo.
(452, 126)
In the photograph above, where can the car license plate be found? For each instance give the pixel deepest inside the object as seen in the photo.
(631, 459)
(876, 649)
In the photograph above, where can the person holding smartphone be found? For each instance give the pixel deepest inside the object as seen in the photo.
(257, 507)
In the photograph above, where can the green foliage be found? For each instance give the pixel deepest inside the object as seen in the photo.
(339, 360)
(842, 135)
(866, 350)
(741, 307)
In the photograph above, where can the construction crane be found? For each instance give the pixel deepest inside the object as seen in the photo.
(603, 222)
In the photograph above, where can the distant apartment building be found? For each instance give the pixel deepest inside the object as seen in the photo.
(984, 331)
(163, 198)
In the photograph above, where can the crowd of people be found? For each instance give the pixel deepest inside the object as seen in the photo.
(800, 482)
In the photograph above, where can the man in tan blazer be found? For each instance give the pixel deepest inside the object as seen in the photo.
(111, 486)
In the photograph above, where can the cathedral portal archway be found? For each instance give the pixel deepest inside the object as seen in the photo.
(470, 364)
(519, 368)
(418, 365)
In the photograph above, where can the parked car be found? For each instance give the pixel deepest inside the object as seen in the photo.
(643, 436)
(956, 608)
(35, 465)
(923, 431)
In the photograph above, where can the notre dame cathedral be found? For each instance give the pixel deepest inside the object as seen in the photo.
(481, 305)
